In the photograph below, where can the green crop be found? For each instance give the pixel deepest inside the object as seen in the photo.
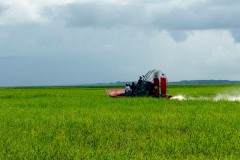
(85, 123)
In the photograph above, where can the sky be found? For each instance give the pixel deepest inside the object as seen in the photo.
(71, 42)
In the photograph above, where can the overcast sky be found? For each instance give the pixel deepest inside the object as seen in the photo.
(64, 42)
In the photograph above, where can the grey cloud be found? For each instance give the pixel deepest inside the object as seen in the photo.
(222, 2)
(178, 36)
(236, 35)
(202, 15)
(103, 15)
(197, 16)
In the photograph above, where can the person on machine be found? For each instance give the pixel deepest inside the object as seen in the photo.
(140, 81)
(140, 85)
(128, 89)
(133, 87)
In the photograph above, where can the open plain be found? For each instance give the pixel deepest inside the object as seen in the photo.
(85, 123)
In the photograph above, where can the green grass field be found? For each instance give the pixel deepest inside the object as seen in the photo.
(84, 123)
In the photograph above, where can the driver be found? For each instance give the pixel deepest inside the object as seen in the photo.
(140, 81)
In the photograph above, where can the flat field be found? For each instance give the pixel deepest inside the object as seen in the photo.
(84, 123)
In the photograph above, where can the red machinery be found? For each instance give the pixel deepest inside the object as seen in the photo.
(163, 80)
(154, 83)
(156, 87)
(162, 84)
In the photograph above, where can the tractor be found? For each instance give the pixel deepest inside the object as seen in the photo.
(153, 83)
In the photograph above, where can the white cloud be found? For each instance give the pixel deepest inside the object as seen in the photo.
(20, 12)
(227, 57)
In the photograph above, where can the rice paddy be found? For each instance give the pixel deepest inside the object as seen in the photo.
(84, 123)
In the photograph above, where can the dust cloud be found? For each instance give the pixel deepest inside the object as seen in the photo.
(218, 97)
(179, 97)
(227, 97)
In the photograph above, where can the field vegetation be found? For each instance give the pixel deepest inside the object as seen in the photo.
(84, 123)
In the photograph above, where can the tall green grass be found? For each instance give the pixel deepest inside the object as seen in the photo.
(84, 123)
